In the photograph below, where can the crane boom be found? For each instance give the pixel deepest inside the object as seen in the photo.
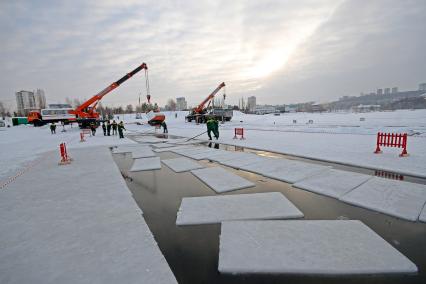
(87, 109)
(200, 107)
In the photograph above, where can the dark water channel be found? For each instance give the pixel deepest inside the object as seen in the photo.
(193, 251)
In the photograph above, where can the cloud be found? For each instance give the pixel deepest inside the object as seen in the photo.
(268, 48)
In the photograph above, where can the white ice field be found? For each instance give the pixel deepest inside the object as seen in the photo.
(215, 209)
(78, 224)
(221, 180)
(182, 164)
(307, 247)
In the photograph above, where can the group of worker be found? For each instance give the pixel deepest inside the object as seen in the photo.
(116, 127)
(213, 126)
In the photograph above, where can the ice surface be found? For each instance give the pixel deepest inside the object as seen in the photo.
(397, 198)
(182, 164)
(146, 164)
(163, 145)
(221, 180)
(126, 148)
(285, 170)
(169, 149)
(307, 247)
(215, 209)
(334, 183)
(243, 161)
(142, 153)
(76, 223)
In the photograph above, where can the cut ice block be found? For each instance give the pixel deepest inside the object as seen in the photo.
(125, 148)
(307, 247)
(285, 170)
(215, 209)
(169, 149)
(221, 180)
(142, 153)
(146, 164)
(397, 198)
(334, 183)
(182, 164)
(243, 161)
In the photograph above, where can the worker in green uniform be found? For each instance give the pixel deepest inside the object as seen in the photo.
(210, 127)
(164, 127)
(104, 127)
(216, 128)
(114, 127)
(53, 128)
(120, 127)
(108, 128)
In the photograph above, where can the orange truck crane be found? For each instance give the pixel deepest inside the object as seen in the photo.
(201, 113)
(86, 112)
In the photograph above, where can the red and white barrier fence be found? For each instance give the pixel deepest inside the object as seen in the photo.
(65, 159)
(239, 132)
(392, 140)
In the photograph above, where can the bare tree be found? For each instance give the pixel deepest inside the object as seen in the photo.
(171, 105)
(129, 108)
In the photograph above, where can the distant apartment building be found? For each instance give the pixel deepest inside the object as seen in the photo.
(387, 91)
(25, 102)
(394, 90)
(380, 91)
(40, 99)
(265, 109)
(181, 104)
(251, 104)
(422, 87)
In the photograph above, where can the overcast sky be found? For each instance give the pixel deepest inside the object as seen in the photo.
(279, 51)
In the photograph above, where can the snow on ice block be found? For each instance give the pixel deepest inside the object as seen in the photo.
(334, 183)
(401, 199)
(221, 180)
(125, 148)
(242, 161)
(215, 209)
(142, 153)
(307, 247)
(182, 164)
(146, 164)
(287, 170)
(169, 149)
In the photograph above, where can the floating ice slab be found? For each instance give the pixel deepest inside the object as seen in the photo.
(146, 164)
(243, 161)
(169, 149)
(334, 183)
(163, 145)
(215, 209)
(125, 148)
(307, 247)
(221, 180)
(142, 153)
(285, 170)
(182, 164)
(397, 198)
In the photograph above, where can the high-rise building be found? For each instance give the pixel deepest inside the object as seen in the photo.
(422, 87)
(40, 99)
(25, 102)
(181, 103)
(387, 91)
(251, 104)
(394, 90)
(380, 91)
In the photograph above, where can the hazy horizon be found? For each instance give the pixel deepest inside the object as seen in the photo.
(279, 51)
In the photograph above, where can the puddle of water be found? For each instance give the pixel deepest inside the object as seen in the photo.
(192, 251)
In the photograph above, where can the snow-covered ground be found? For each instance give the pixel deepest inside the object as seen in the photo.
(20, 145)
(335, 137)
